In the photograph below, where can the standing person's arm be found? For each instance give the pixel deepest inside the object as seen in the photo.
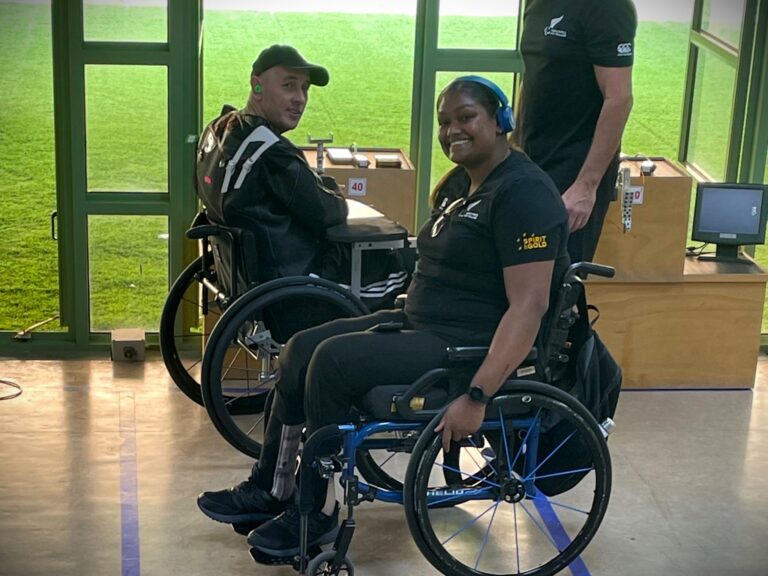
(610, 47)
(616, 87)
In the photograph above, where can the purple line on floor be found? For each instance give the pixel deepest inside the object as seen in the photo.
(559, 535)
(129, 493)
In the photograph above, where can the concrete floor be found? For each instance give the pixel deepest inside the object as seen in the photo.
(100, 464)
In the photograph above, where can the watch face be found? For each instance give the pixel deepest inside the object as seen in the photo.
(476, 394)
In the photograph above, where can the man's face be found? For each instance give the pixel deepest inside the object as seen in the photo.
(284, 94)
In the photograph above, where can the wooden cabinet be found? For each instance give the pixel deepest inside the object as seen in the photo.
(653, 248)
(391, 191)
(673, 321)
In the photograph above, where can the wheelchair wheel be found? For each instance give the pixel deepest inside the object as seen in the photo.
(239, 360)
(182, 328)
(505, 523)
(321, 565)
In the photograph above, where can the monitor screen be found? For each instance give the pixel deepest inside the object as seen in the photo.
(731, 211)
(730, 215)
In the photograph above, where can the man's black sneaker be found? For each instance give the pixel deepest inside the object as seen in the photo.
(280, 536)
(246, 503)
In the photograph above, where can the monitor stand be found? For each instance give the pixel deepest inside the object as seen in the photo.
(726, 253)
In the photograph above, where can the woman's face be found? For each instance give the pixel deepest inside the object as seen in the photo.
(467, 132)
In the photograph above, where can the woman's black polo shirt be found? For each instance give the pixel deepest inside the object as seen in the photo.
(516, 216)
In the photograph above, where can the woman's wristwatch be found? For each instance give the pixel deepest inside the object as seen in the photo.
(476, 394)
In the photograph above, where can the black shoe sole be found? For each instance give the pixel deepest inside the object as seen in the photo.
(326, 538)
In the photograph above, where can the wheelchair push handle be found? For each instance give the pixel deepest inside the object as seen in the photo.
(584, 269)
(205, 231)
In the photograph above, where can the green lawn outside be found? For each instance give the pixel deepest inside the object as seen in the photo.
(367, 102)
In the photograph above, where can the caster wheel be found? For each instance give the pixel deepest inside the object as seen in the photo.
(322, 565)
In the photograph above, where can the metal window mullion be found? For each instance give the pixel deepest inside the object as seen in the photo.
(459, 60)
(127, 204)
(422, 119)
(690, 83)
(78, 234)
(741, 93)
(755, 142)
(126, 53)
(725, 52)
(184, 122)
(63, 130)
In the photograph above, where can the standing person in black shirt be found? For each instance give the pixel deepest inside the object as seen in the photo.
(575, 100)
(488, 256)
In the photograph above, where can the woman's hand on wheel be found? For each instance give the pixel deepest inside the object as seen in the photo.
(462, 418)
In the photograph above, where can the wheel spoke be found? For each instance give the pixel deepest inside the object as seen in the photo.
(488, 463)
(555, 451)
(551, 502)
(252, 428)
(565, 473)
(470, 523)
(538, 525)
(478, 478)
(517, 536)
(487, 532)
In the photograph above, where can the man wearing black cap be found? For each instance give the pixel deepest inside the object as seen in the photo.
(251, 177)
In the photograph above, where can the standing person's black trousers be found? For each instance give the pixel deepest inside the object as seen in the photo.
(324, 371)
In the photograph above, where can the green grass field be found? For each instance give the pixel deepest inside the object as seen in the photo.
(367, 102)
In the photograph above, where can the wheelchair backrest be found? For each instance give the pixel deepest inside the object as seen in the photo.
(223, 162)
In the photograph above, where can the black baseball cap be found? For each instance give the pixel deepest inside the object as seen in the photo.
(288, 56)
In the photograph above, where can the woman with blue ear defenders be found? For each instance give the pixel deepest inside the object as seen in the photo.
(496, 240)
(487, 258)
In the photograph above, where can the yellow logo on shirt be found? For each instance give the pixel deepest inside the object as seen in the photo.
(532, 242)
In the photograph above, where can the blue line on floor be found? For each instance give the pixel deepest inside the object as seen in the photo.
(559, 535)
(129, 497)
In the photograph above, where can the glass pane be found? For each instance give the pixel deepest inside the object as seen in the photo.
(29, 290)
(440, 162)
(125, 20)
(126, 119)
(478, 24)
(658, 84)
(128, 268)
(724, 19)
(711, 114)
(368, 99)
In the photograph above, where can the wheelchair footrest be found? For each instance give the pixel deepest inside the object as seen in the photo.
(268, 560)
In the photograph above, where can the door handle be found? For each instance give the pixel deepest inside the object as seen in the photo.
(54, 215)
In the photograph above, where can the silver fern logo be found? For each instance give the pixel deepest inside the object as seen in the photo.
(552, 31)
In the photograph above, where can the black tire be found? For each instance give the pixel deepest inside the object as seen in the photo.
(318, 566)
(182, 329)
(234, 356)
(549, 548)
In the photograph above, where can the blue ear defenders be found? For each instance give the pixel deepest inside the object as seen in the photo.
(504, 116)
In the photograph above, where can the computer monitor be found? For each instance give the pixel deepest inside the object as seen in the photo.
(729, 216)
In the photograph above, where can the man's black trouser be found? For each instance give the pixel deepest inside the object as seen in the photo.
(324, 371)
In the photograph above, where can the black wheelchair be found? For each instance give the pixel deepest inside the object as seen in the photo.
(503, 501)
(221, 327)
